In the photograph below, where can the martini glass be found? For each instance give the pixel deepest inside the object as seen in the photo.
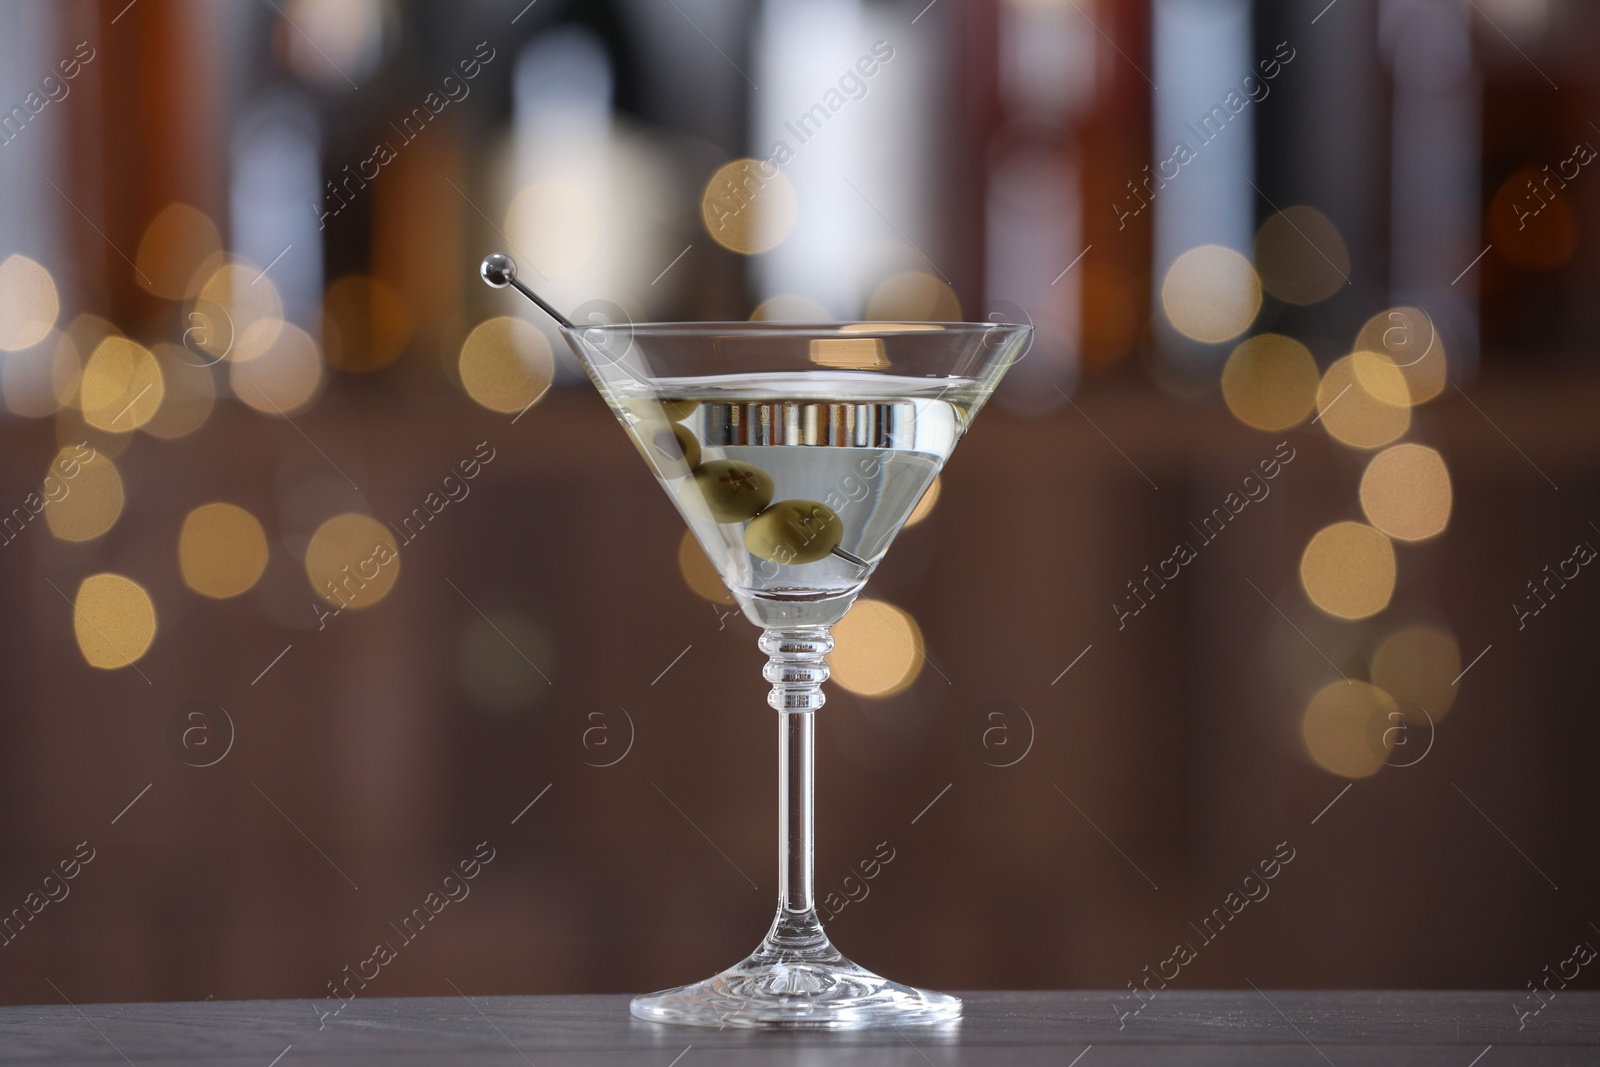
(795, 453)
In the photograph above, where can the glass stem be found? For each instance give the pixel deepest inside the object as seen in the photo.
(796, 669)
(796, 829)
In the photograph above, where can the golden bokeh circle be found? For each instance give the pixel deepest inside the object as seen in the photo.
(84, 497)
(114, 621)
(1337, 729)
(237, 313)
(699, 573)
(1348, 570)
(925, 506)
(1270, 382)
(913, 296)
(1406, 492)
(122, 387)
(1419, 664)
(1301, 256)
(748, 206)
(352, 561)
(1354, 416)
(180, 247)
(29, 303)
(222, 550)
(877, 649)
(191, 394)
(1211, 294)
(1381, 378)
(505, 364)
(282, 377)
(1408, 336)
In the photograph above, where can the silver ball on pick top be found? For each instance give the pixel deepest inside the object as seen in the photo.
(499, 270)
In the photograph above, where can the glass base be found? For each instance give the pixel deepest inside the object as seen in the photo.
(797, 980)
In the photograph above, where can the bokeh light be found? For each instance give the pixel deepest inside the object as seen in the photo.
(1419, 664)
(913, 296)
(352, 561)
(86, 331)
(849, 353)
(499, 660)
(930, 497)
(83, 493)
(1112, 325)
(114, 620)
(505, 364)
(1338, 728)
(790, 307)
(699, 574)
(1211, 294)
(335, 44)
(122, 386)
(29, 303)
(1531, 229)
(284, 377)
(748, 206)
(238, 313)
(1301, 256)
(558, 224)
(1354, 416)
(1377, 373)
(70, 429)
(877, 649)
(1406, 492)
(222, 550)
(179, 249)
(365, 325)
(1270, 382)
(1407, 335)
(41, 380)
(1348, 570)
(191, 393)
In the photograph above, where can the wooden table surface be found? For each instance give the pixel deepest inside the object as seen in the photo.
(1474, 1029)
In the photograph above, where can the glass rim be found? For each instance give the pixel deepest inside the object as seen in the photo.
(885, 328)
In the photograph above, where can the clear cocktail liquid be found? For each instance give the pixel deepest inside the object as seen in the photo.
(866, 446)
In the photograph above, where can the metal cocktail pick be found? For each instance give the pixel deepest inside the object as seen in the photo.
(500, 270)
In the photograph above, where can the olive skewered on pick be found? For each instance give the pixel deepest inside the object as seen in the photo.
(794, 531)
(788, 532)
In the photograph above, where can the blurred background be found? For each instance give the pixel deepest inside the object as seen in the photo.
(1274, 545)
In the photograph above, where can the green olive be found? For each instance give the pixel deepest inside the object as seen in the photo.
(669, 409)
(671, 450)
(794, 531)
(678, 409)
(733, 492)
